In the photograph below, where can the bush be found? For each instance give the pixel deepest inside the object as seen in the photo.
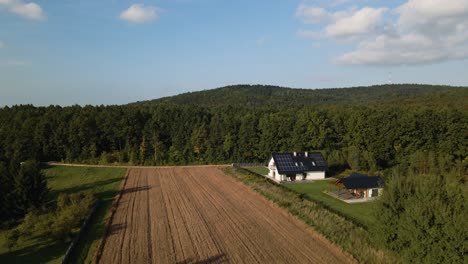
(60, 223)
(12, 239)
(72, 209)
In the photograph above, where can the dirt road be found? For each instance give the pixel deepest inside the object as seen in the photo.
(200, 215)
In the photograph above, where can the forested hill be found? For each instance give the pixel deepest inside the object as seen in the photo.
(263, 95)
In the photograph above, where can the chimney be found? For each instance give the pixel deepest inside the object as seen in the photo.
(295, 153)
(306, 154)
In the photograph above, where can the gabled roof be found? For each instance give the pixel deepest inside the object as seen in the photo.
(361, 181)
(288, 163)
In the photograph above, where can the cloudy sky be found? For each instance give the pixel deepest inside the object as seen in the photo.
(117, 51)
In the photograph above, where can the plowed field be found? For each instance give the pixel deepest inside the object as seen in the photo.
(201, 215)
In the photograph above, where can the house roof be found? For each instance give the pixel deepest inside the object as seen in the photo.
(361, 181)
(288, 163)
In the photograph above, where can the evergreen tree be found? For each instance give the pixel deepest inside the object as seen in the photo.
(7, 210)
(30, 186)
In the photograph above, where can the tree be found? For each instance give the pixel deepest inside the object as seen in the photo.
(228, 144)
(423, 217)
(143, 151)
(7, 210)
(30, 186)
(198, 141)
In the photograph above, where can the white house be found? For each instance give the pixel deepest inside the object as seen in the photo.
(297, 166)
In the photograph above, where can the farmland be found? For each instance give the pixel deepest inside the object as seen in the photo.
(199, 214)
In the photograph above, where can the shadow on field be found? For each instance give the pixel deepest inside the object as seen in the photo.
(136, 189)
(221, 258)
(116, 228)
(37, 253)
(85, 187)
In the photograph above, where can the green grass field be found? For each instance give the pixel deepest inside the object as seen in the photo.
(103, 182)
(259, 170)
(361, 212)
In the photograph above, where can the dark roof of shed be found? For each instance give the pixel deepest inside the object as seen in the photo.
(287, 163)
(361, 181)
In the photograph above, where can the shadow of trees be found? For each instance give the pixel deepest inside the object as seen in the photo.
(43, 252)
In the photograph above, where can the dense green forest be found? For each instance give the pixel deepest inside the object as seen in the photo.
(263, 95)
(359, 137)
(396, 131)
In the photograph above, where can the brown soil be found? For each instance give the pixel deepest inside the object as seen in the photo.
(200, 215)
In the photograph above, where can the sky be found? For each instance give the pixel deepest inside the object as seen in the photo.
(66, 52)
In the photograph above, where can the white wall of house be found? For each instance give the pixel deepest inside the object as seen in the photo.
(315, 175)
(272, 168)
(280, 177)
(273, 171)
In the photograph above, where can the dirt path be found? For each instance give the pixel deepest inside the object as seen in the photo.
(200, 215)
(52, 163)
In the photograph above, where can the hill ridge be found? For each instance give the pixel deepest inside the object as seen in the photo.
(271, 95)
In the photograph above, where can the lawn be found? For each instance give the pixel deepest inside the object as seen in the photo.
(259, 170)
(103, 182)
(361, 212)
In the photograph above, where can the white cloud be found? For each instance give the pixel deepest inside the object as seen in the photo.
(423, 12)
(364, 21)
(311, 14)
(2, 45)
(341, 24)
(139, 13)
(28, 10)
(418, 32)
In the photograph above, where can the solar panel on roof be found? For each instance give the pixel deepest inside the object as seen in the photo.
(287, 163)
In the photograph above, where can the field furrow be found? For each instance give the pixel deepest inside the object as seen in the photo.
(200, 215)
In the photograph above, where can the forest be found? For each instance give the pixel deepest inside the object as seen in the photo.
(392, 131)
(267, 95)
(368, 138)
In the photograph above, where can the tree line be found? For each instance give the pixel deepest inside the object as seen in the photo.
(360, 138)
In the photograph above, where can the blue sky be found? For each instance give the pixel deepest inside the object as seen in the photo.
(118, 51)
